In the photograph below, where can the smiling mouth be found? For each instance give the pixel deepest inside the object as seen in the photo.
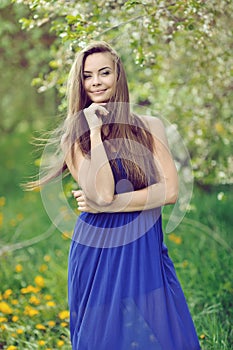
(98, 92)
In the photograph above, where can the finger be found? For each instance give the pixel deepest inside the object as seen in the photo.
(82, 208)
(80, 197)
(101, 109)
(77, 193)
(104, 111)
(81, 203)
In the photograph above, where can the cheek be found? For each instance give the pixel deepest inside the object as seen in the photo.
(85, 85)
(114, 87)
(112, 82)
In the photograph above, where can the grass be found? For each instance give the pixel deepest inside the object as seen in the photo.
(33, 293)
(203, 260)
(33, 300)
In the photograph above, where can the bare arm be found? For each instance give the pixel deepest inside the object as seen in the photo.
(144, 199)
(94, 174)
(164, 192)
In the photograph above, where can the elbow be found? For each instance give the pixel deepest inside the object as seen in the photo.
(173, 198)
(101, 198)
(105, 196)
(104, 200)
(172, 195)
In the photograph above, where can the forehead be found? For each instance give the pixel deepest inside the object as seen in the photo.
(98, 60)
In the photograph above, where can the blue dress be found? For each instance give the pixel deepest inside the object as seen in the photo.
(122, 287)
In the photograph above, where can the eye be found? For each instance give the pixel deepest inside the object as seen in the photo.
(105, 72)
(86, 76)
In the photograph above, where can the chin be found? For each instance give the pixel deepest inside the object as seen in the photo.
(100, 100)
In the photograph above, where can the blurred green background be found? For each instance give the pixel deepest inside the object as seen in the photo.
(178, 61)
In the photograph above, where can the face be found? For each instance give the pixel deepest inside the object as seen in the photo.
(99, 77)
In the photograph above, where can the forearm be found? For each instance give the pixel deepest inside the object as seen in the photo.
(97, 178)
(154, 196)
(147, 198)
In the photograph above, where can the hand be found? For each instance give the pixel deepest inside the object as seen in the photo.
(83, 203)
(93, 113)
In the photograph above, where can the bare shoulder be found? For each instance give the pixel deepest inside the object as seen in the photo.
(66, 149)
(156, 126)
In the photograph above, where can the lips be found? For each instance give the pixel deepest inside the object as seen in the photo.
(98, 91)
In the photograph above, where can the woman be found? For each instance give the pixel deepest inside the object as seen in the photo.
(123, 290)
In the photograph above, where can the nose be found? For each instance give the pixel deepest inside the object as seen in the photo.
(96, 80)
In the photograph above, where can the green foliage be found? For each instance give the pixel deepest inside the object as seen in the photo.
(23, 56)
(178, 52)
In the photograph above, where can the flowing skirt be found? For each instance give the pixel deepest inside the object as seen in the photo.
(123, 290)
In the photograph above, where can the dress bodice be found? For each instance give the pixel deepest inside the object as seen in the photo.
(122, 184)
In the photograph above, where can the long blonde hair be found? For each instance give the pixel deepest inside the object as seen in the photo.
(132, 137)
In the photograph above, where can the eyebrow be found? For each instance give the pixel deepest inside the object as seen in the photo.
(86, 71)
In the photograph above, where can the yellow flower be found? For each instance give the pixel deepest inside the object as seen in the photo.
(13, 222)
(5, 308)
(47, 258)
(185, 263)
(18, 268)
(39, 281)
(63, 314)
(66, 235)
(43, 268)
(1, 219)
(20, 217)
(33, 312)
(7, 293)
(60, 343)
(219, 128)
(41, 327)
(29, 311)
(2, 201)
(15, 318)
(36, 189)
(48, 297)
(41, 342)
(14, 302)
(11, 347)
(51, 303)
(175, 239)
(202, 336)
(29, 289)
(2, 327)
(64, 324)
(51, 323)
(3, 319)
(20, 331)
(34, 300)
(37, 161)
